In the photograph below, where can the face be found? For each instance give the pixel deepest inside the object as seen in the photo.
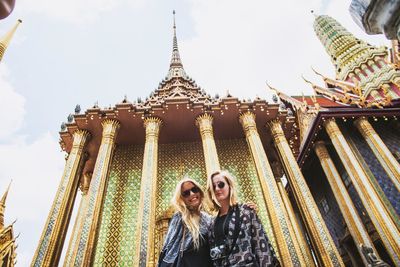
(221, 188)
(190, 195)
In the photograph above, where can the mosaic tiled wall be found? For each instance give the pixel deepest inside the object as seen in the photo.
(116, 240)
(234, 156)
(371, 164)
(321, 190)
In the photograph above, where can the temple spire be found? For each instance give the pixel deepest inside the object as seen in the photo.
(5, 40)
(3, 206)
(176, 66)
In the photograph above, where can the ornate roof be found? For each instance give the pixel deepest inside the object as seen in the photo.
(177, 84)
(364, 76)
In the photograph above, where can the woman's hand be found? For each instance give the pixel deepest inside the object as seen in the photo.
(251, 205)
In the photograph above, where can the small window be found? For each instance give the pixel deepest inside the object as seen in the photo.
(325, 205)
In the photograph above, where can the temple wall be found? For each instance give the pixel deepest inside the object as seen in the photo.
(320, 190)
(116, 241)
(373, 168)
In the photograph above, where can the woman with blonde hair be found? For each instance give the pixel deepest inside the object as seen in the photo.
(236, 235)
(186, 242)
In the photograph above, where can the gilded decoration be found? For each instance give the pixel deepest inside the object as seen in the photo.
(313, 219)
(147, 204)
(116, 241)
(288, 247)
(204, 123)
(353, 221)
(49, 249)
(374, 205)
(93, 208)
(382, 153)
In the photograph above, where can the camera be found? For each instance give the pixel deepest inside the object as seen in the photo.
(218, 252)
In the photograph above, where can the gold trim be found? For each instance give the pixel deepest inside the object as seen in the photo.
(374, 205)
(346, 206)
(144, 255)
(204, 123)
(382, 153)
(287, 245)
(52, 239)
(319, 234)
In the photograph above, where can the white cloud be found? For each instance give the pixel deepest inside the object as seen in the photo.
(73, 11)
(35, 169)
(11, 106)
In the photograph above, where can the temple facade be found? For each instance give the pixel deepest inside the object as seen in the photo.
(338, 150)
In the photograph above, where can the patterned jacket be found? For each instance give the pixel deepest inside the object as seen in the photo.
(173, 239)
(252, 247)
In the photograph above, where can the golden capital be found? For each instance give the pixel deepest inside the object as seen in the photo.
(332, 128)
(80, 137)
(204, 122)
(152, 125)
(248, 121)
(320, 150)
(364, 127)
(110, 128)
(276, 130)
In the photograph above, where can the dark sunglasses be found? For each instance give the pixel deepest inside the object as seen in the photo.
(194, 190)
(220, 185)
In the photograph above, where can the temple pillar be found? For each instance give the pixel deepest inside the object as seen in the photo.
(305, 249)
(286, 241)
(73, 245)
(319, 234)
(374, 205)
(146, 225)
(204, 123)
(52, 240)
(350, 215)
(92, 211)
(382, 153)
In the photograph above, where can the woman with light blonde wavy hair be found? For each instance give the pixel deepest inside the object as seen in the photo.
(186, 242)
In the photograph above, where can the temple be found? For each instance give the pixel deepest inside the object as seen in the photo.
(338, 150)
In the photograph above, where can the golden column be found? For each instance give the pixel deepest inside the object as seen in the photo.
(144, 255)
(382, 153)
(73, 245)
(286, 241)
(319, 234)
(91, 221)
(53, 236)
(376, 209)
(204, 123)
(305, 249)
(353, 221)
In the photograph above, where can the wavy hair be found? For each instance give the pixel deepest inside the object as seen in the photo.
(230, 179)
(190, 218)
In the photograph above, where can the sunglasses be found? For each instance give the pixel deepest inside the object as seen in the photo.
(220, 185)
(194, 190)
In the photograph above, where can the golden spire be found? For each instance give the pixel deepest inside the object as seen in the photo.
(3, 206)
(5, 40)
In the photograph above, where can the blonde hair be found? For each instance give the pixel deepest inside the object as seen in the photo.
(190, 219)
(233, 199)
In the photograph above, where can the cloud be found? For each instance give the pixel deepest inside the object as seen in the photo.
(73, 11)
(11, 106)
(239, 47)
(35, 169)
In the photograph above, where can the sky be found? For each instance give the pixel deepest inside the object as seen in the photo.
(69, 52)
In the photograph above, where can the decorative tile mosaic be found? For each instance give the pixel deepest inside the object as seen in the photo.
(116, 241)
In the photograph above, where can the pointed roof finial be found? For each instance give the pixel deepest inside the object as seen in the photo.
(176, 66)
(5, 40)
(3, 206)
